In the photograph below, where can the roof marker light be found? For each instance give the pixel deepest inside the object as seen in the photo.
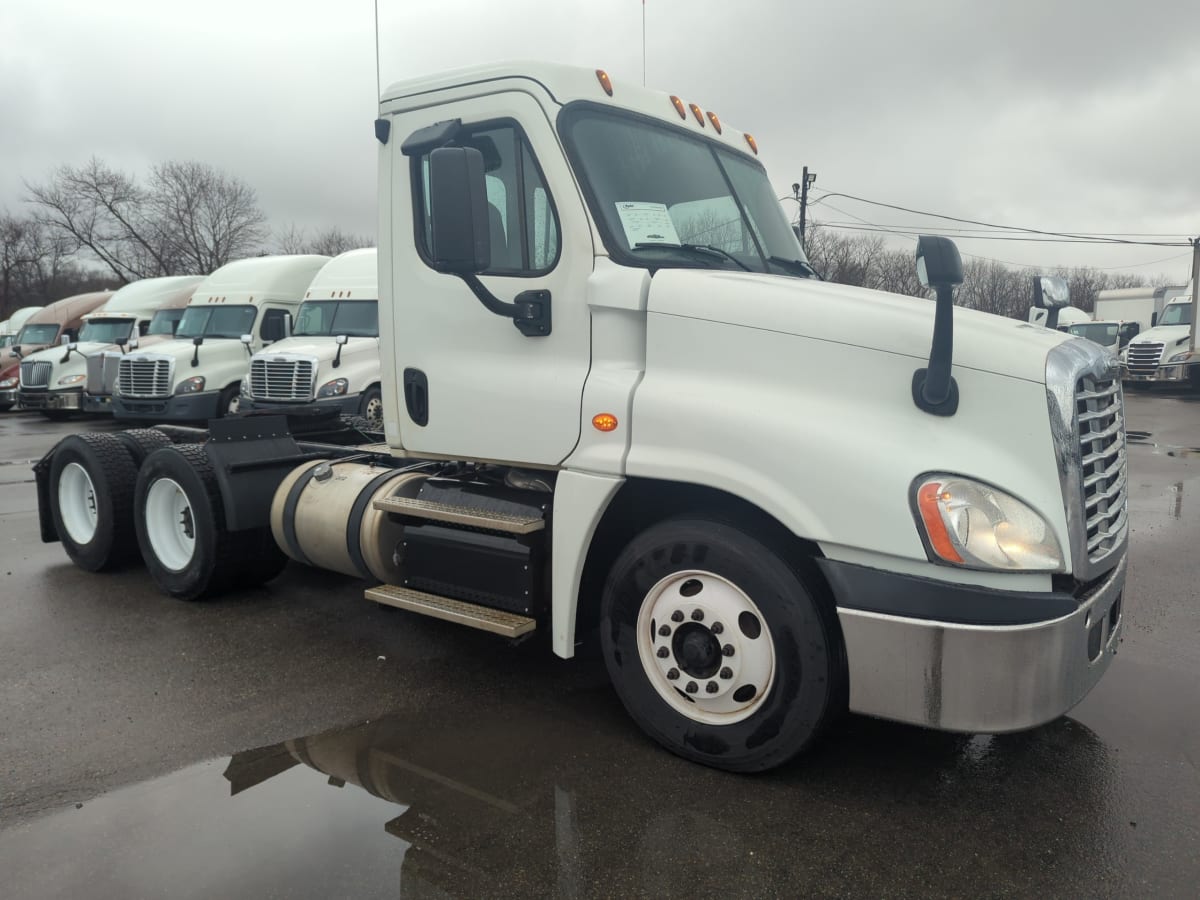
(716, 122)
(698, 113)
(678, 104)
(605, 81)
(752, 142)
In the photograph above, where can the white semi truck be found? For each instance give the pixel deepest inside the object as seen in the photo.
(618, 402)
(54, 381)
(1142, 305)
(332, 357)
(1164, 355)
(11, 327)
(238, 309)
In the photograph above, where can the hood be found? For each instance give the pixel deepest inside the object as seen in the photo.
(1163, 334)
(323, 348)
(889, 323)
(212, 350)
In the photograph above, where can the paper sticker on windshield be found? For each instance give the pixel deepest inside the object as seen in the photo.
(647, 223)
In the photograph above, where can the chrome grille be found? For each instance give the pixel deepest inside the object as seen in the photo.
(36, 373)
(281, 378)
(144, 378)
(1143, 358)
(1100, 418)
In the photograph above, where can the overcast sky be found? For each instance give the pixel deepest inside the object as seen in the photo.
(1079, 115)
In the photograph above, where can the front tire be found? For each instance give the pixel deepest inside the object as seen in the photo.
(230, 401)
(372, 408)
(717, 647)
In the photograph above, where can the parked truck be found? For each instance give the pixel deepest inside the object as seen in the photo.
(236, 310)
(55, 382)
(11, 327)
(332, 356)
(1164, 355)
(56, 323)
(1142, 305)
(619, 404)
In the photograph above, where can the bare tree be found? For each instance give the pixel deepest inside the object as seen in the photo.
(328, 242)
(36, 266)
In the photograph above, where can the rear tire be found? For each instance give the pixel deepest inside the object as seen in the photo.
(180, 522)
(744, 695)
(141, 442)
(91, 500)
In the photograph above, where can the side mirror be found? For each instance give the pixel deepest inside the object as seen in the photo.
(72, 345)
(459, 211)
(1051, 293)
(247, 339)
(938, 262)
(1153, 319)
(133, 343)
(341, 339)
(939, 266)
(16, 350)
(287, 324)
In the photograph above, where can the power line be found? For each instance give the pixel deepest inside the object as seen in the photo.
(887, 229)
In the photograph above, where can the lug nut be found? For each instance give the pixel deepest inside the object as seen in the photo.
(697, 615)
(663, 652)
(712, 687)
(726, 673)
(677, 616)
(727, 650)
(692, 687)
(717, 628)
(672, 674)
(664, 630)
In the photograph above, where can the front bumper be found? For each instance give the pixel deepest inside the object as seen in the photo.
(8, 398)
(199, 407)
(70, 399)
(97, 403)
(347, 405)
(966, 676)
(1168, 374)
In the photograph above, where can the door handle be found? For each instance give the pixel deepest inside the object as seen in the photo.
(416, 396)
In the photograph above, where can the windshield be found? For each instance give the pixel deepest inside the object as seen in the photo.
(164, 321)
(37, 334)
(667, 198)
(106, 331)
(1177, 314)
(322, 318)
(7, 340)
(1105, 334)
(216, 321)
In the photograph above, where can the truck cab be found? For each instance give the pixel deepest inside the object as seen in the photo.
(1111, 335)
(236, 310)
(332, 356)
(1163, 355)
(55, 382)
(11, 326)
(56, 323)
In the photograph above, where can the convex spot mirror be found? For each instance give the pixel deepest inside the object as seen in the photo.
(1050, 292)
(938, 262)
(65, 340)
(247, 339)
(341, 339)
(72, 345)
(459, 211)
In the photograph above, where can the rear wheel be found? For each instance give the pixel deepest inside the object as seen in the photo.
(180, 522)
(372, 408)
(91, 500)
(141, 442)
(717, 647)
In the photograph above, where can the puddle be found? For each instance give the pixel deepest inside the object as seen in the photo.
(546, 802)
(1138, 437)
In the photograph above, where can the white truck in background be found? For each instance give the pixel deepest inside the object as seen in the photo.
(1164, 355)
(54, 381)
(238, 309)
(1142, 305)
(1067, 316)
(332, 356)
(11, 327)
(620, 404)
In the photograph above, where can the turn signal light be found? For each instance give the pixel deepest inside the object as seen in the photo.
(752, 142)
(716, 123)
(698, 113)
(939, 538)
(605, 81)
(604, 422)
(678, 104)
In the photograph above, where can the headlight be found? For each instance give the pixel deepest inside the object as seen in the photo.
(8, 383)
(190, 385)
(334, 388)
(970, 524)
(72, 379)
(1180, 356)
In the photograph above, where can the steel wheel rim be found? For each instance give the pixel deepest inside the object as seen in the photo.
(77, 503)
(686, 614)
(235, 403)
(374, 411)
(170, 524)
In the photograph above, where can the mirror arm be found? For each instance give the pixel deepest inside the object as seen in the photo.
(1052, 318)
(934, 389)
(66, 356)
(530, 313)
(337, 357)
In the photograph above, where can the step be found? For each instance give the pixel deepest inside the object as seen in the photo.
(461, 515)
(497, 621)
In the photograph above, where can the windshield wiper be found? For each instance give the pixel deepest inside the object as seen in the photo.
(705, 249)
(800, 265)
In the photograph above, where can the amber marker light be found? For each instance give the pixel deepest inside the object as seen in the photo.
(939, 538)
(698, 113)
(752, 142)
(716, 122)
(604, 422)
(605, 81)
(678, 104)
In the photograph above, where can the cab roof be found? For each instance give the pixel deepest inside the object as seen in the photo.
(258, 279)
(150, 294)
(69, 309)
(353, 275)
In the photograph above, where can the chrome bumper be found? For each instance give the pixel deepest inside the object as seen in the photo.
(8, 397)
(50, 399)
(1172, 374)
(981, 678)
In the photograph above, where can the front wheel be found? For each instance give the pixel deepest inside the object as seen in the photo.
(717, 647)
(372, 408)
(230, 401)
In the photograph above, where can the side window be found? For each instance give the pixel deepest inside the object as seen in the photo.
(273, 325)
(524, 225)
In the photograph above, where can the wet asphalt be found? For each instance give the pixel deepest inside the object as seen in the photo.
(299, 741)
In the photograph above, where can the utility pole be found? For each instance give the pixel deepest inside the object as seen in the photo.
(805, 181)
(1195, 288)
